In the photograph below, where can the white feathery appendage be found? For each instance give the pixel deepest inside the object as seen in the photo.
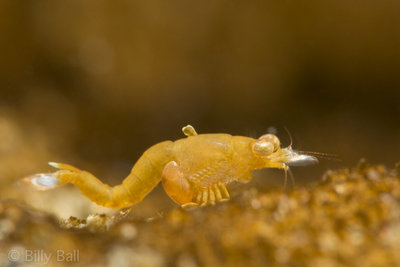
(40, 182)
(297, 159)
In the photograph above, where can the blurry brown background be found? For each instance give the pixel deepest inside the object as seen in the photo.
(96, 83)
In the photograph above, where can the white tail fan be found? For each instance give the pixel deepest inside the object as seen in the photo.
(39, 182)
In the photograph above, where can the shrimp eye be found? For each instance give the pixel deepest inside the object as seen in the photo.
(263, 148)
(272, 139)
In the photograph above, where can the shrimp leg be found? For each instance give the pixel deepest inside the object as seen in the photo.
(212, 194)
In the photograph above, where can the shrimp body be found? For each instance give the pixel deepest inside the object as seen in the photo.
(194, 170)
(208, 162)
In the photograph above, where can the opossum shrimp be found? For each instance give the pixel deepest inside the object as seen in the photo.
(193, 171)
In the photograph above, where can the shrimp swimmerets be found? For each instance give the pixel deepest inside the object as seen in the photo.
(194, 170)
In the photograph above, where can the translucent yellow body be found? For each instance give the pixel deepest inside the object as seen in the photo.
(194, 170)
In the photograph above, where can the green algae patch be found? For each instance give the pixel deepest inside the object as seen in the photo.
(351, 217)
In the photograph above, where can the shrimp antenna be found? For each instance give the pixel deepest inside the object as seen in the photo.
(318, 153)
(285, 181)
(291, 177)
(290, 136)
(321, 155)
(288, 171)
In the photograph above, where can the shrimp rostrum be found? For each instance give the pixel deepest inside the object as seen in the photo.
(193, 171)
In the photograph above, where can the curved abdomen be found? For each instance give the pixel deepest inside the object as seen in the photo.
(146, 173)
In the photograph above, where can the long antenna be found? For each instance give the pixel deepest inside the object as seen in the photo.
(285, 181)
(290, 136)
(321, 155)
(291, 177)
(288, 170)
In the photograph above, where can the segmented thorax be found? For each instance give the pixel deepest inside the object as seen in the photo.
(205, 159)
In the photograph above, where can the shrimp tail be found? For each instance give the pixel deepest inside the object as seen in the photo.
(47, 181)
(39, 182)
(91, 187)
(145, 175)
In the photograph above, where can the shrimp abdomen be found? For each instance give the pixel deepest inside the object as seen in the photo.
(146, 173)
(144, 176)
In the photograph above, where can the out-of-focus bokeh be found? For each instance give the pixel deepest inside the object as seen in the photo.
(96, 83)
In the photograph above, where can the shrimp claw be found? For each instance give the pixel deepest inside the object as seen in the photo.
(176, 185)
